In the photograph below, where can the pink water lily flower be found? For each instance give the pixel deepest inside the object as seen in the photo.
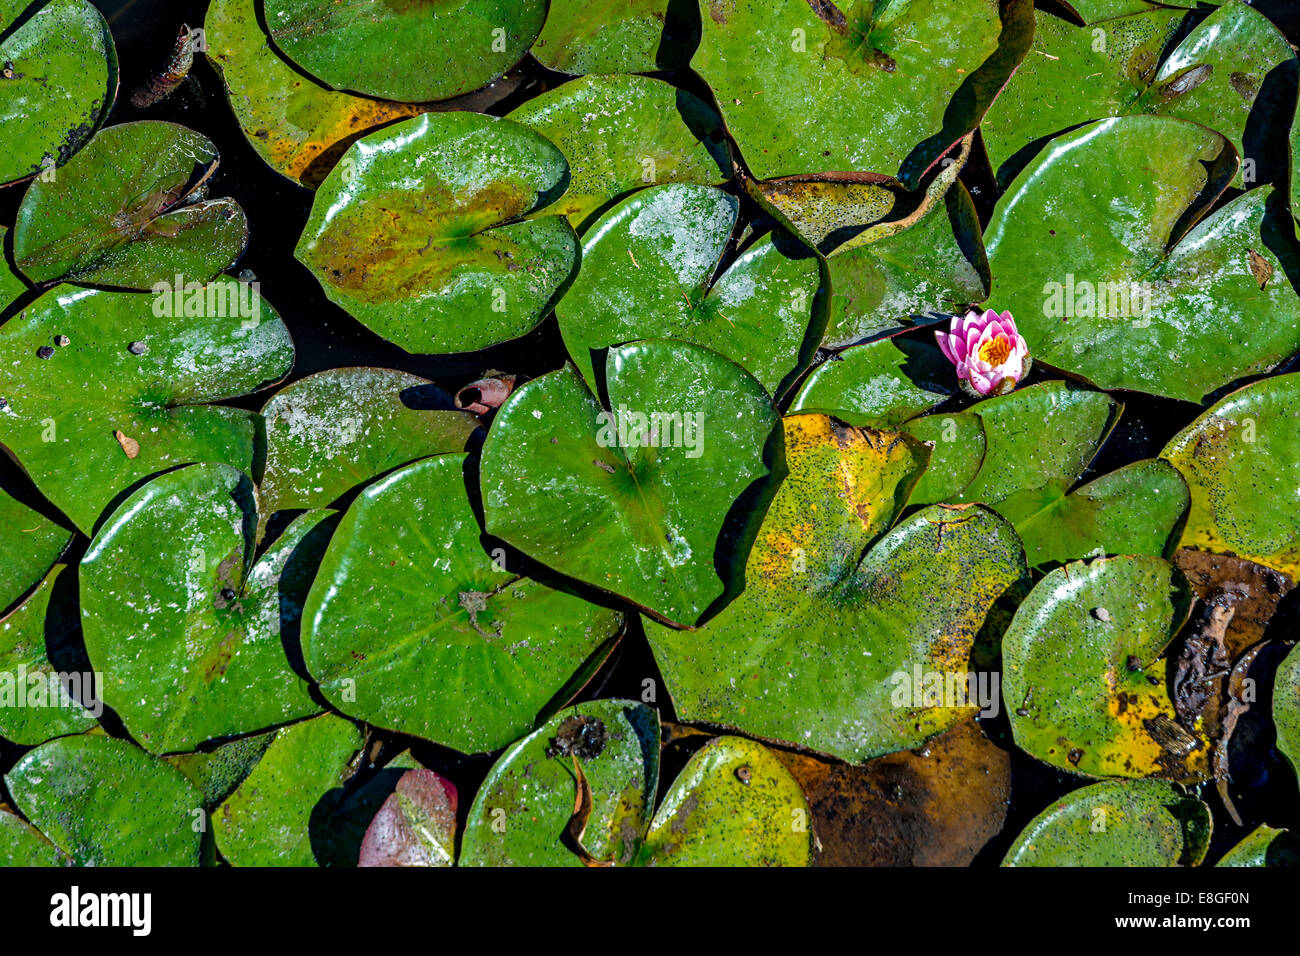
(990, 355)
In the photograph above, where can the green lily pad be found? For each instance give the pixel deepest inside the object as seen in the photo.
(1228, 74)
(64, 79)
(124, 212)
(621, 133)
(935, 265)
(413, 233)
(840, 623)
(407, 50)
(465, 653)
(878, 101)
(1264, 846)
(1127, 313)
(1286, 708)
(878, 385)
(631, 36)
(957, 448)
(1082, 668)
(61, 414)
(521, 811)
(1092, 11)
(190, 641)
(1130, 823)
(1241, 460)
(276, 816)
(641, 513)
(1038, 437)
(646, 272)
(336, 430)
(32, 544)
(217, 772)
(36, 702)
(21, 844)
(298, 127)
(106, 802)
(733, 804)
(1132, 510)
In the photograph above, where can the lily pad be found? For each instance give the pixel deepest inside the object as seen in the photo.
(523, 807)
(416, 826)
(124, 212)
(408, 50)
(878, 385)
(336, 430)
(106, 802)
(12, 286)
(1234, 72)
(647, 266)
(465, 653)
(621, 133)
(59, 83)
(32, 544)
(816, 88)
(1082, 668)
(733, 804)
(1038, 437)
(1286, 708)
(277, 816)
(1129, 311)
(841, 624)
(580, 791)
(631, 36)
(298, 127)
(127, 370)
(1241, 460)
(218, 771)
(935, 265)
(1133, 823)
(38, 701)
(643, 514)
(23, 845)
(190, 641)
(1264, 846)
(414, 232)
(957, 448)
(1132, 510)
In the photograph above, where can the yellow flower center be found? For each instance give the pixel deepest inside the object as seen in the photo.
(996, 351)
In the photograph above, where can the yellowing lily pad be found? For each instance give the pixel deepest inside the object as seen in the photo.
(1241, 460)
(1084, 677)
(298, 127)
(417, 233)
(845, 626)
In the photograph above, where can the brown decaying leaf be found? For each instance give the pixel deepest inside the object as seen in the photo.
(487, 393)
(1261, 589)
(163, 83)
(129, 445)
(415, 826)
(576, 829)
(935, 807)
(1260, 268)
